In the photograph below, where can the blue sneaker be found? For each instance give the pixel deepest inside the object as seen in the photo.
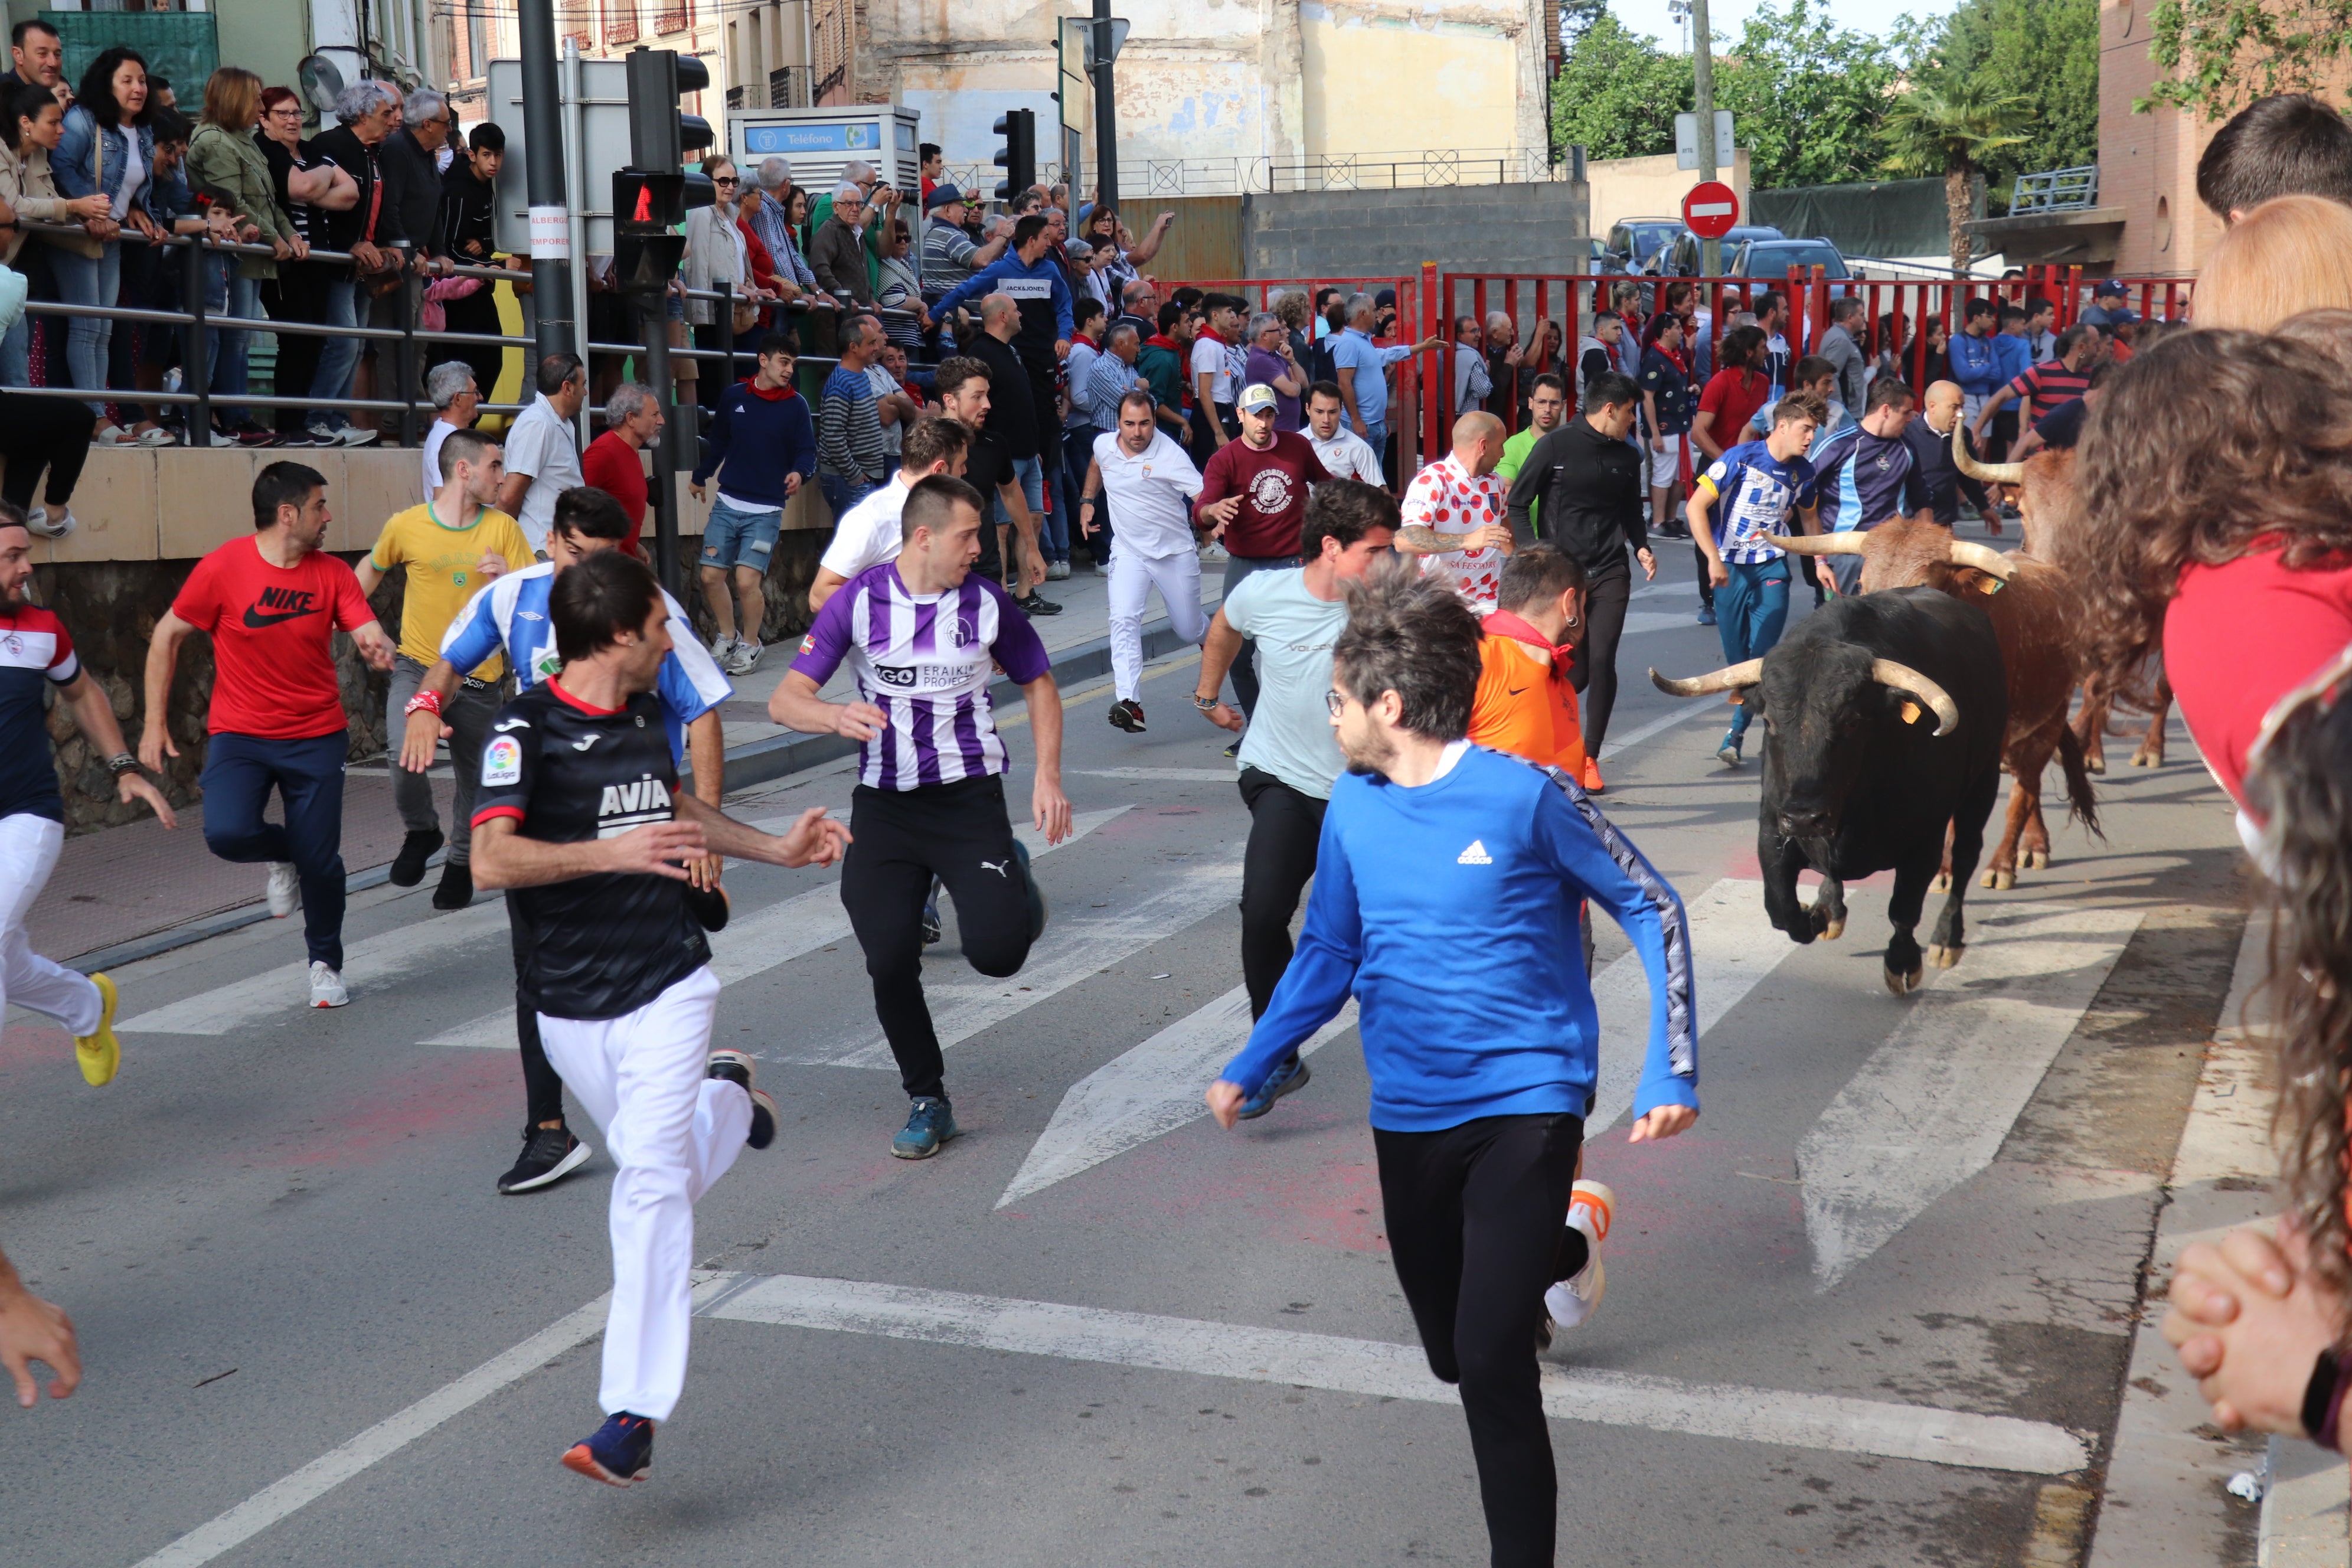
(1290, 1075)
(1707, 614)
(931, 916)
(929, 1123)
(1727, 753)
(1036, 894)
(621, 1454)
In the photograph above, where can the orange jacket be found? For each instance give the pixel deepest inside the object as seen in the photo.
(1525, 705)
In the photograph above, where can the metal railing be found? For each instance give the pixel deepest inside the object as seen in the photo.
(1141, 178)
(2055, 190)
(413, 347)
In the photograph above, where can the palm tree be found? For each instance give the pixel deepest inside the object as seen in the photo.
(1949, 130)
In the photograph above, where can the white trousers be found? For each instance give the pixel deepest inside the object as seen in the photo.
(1132, 577)
(28, 853)
(673, 1132)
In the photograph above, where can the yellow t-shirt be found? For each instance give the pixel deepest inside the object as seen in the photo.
(441, 561)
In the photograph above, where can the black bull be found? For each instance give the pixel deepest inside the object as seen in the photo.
(1883, 722)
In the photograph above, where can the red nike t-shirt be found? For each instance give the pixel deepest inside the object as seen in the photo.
(271, 627)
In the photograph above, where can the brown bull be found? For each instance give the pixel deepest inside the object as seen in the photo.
(2045, 483)
(2033, 611)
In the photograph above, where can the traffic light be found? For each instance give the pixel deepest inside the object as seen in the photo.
(650, 197)
(659, 135)
(1018, 157)
(645, 206)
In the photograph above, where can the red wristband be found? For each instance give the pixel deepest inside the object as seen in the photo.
(424, 702)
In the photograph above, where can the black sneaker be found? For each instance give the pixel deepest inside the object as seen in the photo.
(1038, 605)
(408, 865)
(1036, 894)
(1235, 750)
(548, 1155)
(457, 887)
(736, 1067)
(1127, 714)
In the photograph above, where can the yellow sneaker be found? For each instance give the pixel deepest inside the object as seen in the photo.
(99, 1051)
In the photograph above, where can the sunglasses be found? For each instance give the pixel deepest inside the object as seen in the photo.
(724, 180)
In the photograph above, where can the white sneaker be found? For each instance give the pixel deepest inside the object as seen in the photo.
(352, 436)
(1057, 571)
(42, 526)
(326, 986)
(722, 648)
(743, 656)
(1573, 1300)
(285, 890)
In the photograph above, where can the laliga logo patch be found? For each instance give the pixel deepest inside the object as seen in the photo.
(502, 762)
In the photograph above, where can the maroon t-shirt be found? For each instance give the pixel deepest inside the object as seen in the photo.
(1273, 488)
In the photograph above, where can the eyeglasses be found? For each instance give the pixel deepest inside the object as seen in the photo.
(1334, 701)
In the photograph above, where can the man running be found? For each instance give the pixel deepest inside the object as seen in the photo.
(1253, 497)
(511, 617)
(1930, 437)
(1343, 454)
(36, 658)
(1868, 474)
(1288, 755)
(582, 819)
(868, 535)
(454, 545)
(1525, 703)
(1151, 483)
(1447, 866)
(1546, 406)
(272, 602)
(923, 634)
(1759, 485)
(1454, 513)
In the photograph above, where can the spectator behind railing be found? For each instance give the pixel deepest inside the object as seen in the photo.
(837, 249)
(38, 432)
(901, 291)
(468, 219)
(224, 157)
(716, 257)
(106, 150)
(140, 352)
(780, 220)
(31, 121)
(36, 59)
(306, 187)
(370, 110)
(760, 266)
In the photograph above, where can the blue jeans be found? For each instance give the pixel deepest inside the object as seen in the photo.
(842, 491)
(17, 353)
(1749, 611)
(1078, 451)
(339, 355)
(239, 772)
(1030, 474)
(228, 294)
(733, 538)
(88, 281)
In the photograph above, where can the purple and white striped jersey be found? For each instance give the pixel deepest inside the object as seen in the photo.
(926, 661)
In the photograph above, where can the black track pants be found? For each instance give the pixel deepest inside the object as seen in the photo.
(1286, 825)
(1593, 669)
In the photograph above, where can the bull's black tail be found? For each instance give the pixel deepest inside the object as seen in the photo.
(2083, 804)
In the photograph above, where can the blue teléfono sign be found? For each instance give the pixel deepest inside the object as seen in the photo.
(803, 136)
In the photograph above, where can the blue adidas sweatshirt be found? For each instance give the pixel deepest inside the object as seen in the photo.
(755, 439)
(1450, 911)
(1976, 366)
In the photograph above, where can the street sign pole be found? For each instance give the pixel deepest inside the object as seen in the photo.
(1710, 251)
(1106, 116)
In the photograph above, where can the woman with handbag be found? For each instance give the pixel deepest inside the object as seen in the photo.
(31, 121)
(105, 149)
(224, 156)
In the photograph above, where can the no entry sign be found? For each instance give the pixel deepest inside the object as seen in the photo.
(1710, 209)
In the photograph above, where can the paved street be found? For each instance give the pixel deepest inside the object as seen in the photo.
(1875, 1308)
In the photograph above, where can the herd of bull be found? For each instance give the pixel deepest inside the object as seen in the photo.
(1890, 714)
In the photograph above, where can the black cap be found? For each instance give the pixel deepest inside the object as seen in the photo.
(2108, 288)
(1385, 299)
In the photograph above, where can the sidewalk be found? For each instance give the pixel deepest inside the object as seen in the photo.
(112, 890)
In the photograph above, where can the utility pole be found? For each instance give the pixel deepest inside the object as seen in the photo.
(1703, 89)
(1105, 116)
(550, 216)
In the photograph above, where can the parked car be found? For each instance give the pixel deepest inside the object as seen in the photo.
(1681, 257)
(1636, 240)
(1773, 257)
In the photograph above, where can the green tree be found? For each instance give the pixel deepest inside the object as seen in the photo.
(1617, 93)
(2220, 55)
(2043, 51)
(1806, 98)
(1950, 132)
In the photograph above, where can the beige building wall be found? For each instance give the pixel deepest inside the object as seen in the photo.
(1651, 187)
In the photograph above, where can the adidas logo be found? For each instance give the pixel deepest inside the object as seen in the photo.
(1474, 855)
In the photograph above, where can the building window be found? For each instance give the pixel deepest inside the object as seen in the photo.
(620, 21)
(674, 17)
(477, 37)
(572, 21)
(735, 98)
(780, 88)
(831, 66)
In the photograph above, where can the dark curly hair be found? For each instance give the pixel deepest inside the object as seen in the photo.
(1414, 636)
(2207, 446)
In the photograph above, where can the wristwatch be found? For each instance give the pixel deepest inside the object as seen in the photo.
(122, 763)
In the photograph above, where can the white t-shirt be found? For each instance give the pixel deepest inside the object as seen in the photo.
(434, 434)
(1346, 456)
(885, 385)
(868, 533)
(1210, 359)
(541, 445)
(1150, 495)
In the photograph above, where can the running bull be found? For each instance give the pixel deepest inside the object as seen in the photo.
(1884, 716)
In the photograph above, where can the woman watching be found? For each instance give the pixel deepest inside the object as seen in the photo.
(31, 121)
(224, 156)
(106, 150)
(306, 186)
(715, 257)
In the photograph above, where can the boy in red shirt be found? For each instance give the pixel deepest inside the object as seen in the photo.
(272, 604)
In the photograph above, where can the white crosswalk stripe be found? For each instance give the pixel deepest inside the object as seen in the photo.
(1931, 1105)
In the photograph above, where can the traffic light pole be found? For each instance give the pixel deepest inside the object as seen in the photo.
(656, 378)
(552, 323)
(1106, 115)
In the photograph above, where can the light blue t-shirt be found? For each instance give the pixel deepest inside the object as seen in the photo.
(1290, 735)
(1353, 350)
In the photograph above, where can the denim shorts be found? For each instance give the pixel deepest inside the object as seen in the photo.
(734, 538)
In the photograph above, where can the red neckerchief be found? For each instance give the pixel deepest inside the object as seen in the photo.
(1162, 341)
(1681, 363)
(761, 392)
(1505, 623)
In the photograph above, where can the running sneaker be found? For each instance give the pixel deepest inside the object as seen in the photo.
(1234, 749)
(1036, 893)
(931, 933)
(456, 887)
(1572, 1302)
(1707, 614)
(1038, 605)
(352, 436)
(323, 435)
(1127, 714)
(736, 1067)
(249, 433)
(284, 890)
(742, 657)
(417, 848)
(548, 1155)
(1057, 571)
(1727, 753)
(44, 526)
(98, 1052)
(621, 1454)
(1591, 779)
(1291, 1075)
(326, 986)
(931, 1121)
(722, 648)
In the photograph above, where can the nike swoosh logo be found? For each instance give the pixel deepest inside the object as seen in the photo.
(255, 620)
(1518, 691)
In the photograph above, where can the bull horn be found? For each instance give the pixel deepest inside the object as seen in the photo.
(1983, 473)
(1983, 557)
(1725, 679)
(1816, 543)
(1905, 679)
